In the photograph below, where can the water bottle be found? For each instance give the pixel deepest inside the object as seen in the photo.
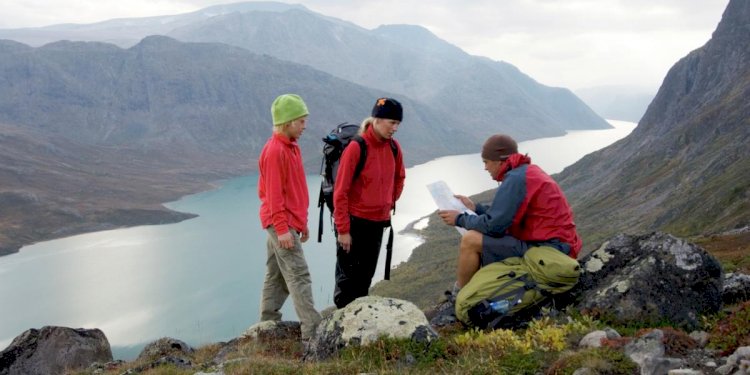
(501, 307)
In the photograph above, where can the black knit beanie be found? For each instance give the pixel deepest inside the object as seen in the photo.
(388, 108)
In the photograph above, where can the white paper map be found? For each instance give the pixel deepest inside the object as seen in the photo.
(443, 197)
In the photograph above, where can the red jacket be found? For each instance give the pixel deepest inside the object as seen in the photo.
(375, 191)
(528, 205)
(282, 186)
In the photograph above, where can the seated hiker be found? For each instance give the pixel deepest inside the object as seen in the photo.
(529, 209)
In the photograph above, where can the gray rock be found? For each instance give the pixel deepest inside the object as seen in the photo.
(725, 369)
(227, 348)
(660, 365)
(611, 333)
(737, 363)
(645, 347)
(700, 337)
(584, 371)
(650, 279)
(364, 321)
(164, 347)
(684, 372)
(53, 350)
(736, 288)
(264, 331)
(273, 330)
(592, 339)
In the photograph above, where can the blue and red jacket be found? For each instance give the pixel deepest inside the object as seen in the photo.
(529, 205)
(282, 186)
(374, 192)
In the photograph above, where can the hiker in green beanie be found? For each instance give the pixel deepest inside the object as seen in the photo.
(282, 188)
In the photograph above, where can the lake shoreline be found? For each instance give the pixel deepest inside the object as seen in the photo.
(130, 217)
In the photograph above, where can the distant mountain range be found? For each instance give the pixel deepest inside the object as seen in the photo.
(685, 168)
(179, 101)
(624, 103)
(481, 95)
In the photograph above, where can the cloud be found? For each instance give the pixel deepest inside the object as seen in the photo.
(33, 13)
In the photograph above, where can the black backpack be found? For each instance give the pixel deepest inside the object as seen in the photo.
(334, 144)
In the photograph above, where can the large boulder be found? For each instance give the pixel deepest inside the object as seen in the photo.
(54, 350)
(364, 321)
(652, 279)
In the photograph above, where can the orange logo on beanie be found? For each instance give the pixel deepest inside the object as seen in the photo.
(381, 102)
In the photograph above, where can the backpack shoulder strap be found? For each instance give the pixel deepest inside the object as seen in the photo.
(394, 149)
(362, 156)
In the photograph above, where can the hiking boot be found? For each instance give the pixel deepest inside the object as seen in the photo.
(444, 313)
(450, 297)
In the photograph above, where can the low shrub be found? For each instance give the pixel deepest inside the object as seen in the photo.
(732, 332)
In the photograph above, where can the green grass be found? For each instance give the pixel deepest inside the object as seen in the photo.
(527, 351)
(547, 346)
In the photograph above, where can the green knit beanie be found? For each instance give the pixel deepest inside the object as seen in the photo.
(286, 108)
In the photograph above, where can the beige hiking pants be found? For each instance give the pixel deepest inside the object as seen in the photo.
(287, 274)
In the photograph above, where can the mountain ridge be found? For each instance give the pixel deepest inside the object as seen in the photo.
(149, 93)
(392, 58)
(683, 168)
(441, 76)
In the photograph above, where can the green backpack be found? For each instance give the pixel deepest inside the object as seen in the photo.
(501, 289)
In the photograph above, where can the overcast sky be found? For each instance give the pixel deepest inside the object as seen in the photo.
(567, 43)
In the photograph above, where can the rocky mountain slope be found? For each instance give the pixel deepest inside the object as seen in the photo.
(685, 167)
(53, 186)
(162, 94)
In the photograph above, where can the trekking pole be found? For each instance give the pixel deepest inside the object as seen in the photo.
(388, 254)
(321, 204)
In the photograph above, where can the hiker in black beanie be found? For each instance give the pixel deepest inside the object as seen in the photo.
(363, 203)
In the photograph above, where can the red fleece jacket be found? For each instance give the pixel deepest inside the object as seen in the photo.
(282, 186)
(377, 188)
(528, 205)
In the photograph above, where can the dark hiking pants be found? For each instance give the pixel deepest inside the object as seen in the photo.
(355, 269)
